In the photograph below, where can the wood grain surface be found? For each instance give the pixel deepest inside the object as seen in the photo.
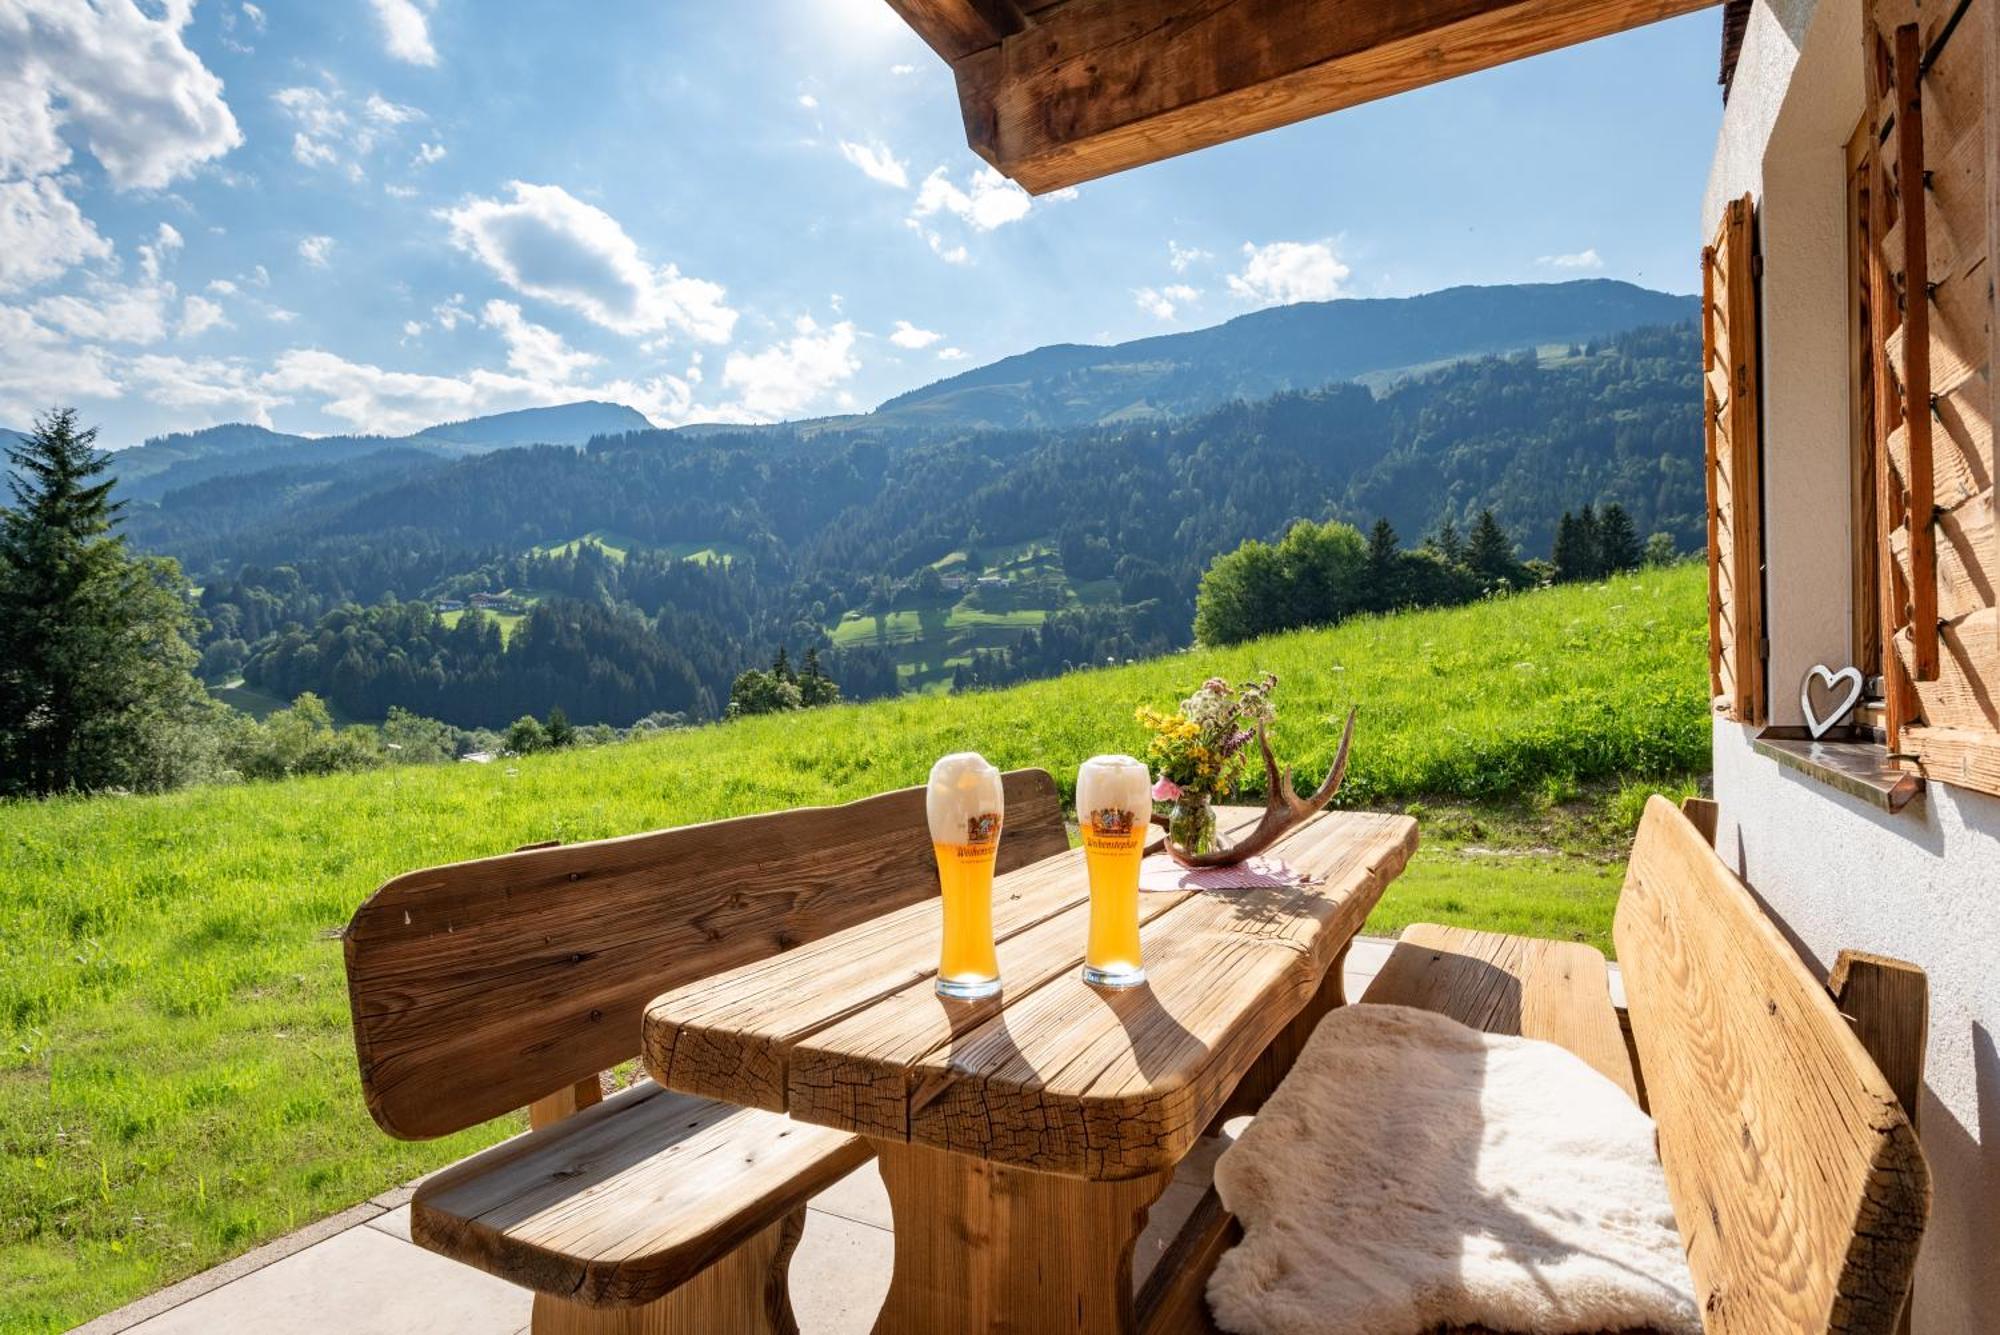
(1796, 1179)
(1090, 87)
(1054, 1075)
(626, 1201)
(1555, 991)
(479, 987)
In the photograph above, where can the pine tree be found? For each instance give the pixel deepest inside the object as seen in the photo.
(1617, 541)
(1566, 555)
(1385, 585)
(815, 687)
(97, 687)
(559, 731)
(781, 667)
(1590, 545)
(1449, 544)
(1490, 555)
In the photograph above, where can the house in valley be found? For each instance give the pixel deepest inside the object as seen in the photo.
(1846, 251)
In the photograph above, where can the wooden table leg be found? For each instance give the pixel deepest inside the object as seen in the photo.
(984, 1247)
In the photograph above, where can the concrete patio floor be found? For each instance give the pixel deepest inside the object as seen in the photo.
(358, 1273)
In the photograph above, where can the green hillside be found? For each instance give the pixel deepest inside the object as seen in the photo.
(176, 1069)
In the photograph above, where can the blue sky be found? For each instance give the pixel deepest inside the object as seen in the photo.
(339, 215)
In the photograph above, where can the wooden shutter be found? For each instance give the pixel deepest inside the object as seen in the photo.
(1933, 322)
(1735, 491)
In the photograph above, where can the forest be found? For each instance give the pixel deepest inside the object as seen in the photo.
(310, 583)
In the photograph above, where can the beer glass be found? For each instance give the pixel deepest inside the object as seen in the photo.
(1113, 800)
(964, 805)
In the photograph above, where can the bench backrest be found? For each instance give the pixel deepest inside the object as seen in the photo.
(481, 986)
(1796, 1179)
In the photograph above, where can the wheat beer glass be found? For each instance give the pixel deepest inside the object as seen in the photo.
(964, 805)
(1113, 800)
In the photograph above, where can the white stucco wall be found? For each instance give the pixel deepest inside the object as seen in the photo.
(1924, 884)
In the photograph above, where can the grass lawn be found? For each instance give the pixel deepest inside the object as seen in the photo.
(177, 1079)
(507, 621)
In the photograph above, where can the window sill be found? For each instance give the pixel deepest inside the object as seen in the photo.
(1846, 759)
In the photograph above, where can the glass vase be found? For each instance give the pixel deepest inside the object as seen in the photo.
(1191, 823)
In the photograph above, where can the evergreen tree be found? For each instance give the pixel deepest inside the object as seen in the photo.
(1491, 553)
(1384, 585)
(815, 687)
(1590, 543)
(1617, 541)
(559, 731)
(97, 687)
(781, 667)
(1447, 543)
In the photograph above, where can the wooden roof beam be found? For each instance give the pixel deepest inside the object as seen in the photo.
(1084, 88)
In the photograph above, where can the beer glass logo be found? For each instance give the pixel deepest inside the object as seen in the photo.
(983, 828)
(1112, 822)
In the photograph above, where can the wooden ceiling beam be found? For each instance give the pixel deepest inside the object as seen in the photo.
(1084, 88)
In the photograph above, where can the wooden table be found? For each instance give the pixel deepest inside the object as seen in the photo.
(1022, 1138)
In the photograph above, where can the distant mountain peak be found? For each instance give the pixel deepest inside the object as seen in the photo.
(559, 424)
(1301, 346)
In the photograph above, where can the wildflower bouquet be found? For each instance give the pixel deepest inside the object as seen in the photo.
(1200, 752)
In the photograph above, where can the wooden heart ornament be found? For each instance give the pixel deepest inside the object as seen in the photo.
(1845, 688)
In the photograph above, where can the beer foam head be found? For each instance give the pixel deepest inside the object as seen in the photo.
(1117, 783)
(963, 788)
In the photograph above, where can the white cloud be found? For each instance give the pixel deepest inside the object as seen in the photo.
(407, 30)
(950, 254)
(42, 233)
(786, 378)
(375, 399)
(412, 329)
(1580, 260)
(547, 243)
(451, 313)
(166, 241)
(427, 154)
(989, 200)
(126, 84)
(316, 250)
(254, 14)
(199, 315)
(1163, 302)
(900, 70)
(951, 354)
(1287, 271)
(907, 335)
(39, 366)
(205, 390)
(1183, 257)
(380, 108)
(109, 313)
(331, 131)
(222, 287)
(877, 163)
(808, 101)
(535, 351)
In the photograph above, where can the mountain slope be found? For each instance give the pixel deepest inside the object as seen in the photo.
(1254, 356)
(183, 459)
(563, 424)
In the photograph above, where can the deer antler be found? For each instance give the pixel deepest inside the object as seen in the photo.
(1283, 807)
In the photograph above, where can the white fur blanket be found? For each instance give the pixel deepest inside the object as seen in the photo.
(1412, 1173)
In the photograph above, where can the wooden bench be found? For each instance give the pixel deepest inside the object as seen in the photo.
(1790, 1155)
(481, 987)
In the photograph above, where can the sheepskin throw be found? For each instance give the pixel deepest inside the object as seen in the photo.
(1412, 1173)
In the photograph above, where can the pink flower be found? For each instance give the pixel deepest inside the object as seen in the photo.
(1166, 790)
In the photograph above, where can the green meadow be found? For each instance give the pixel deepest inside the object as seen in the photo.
(177, 1076)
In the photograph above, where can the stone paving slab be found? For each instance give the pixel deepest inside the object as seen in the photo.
(358, 1273)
